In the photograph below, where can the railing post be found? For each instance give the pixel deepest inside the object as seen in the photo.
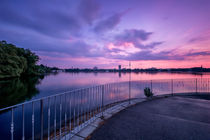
(196, 88)
(98, 100)
(117, 99)
(88, 99)
(60, 116)
(151, 85)
(81, 111)
(90, 90)
(100, 97)
(65, 116)
(93, 106)
(41, 118)
(48, 131)
(70, 114)
(55, 118)
(172, 87)
(23, 123)
(129, 91)
(102, 101)
(78, 103)
(12, 124)
(32, 120)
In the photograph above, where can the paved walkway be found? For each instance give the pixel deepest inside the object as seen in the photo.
(172, 118)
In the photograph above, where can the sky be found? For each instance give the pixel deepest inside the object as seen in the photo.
(108, 33)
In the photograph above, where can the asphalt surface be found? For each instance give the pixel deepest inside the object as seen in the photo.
(172, 118)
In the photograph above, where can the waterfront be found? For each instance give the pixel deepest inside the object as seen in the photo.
(88, 98)
(34, 88)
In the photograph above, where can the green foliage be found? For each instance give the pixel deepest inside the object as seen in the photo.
(44, 69)
(17, 90)
(148, 92)
(15, 61)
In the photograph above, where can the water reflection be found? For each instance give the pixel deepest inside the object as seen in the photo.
(17, 90)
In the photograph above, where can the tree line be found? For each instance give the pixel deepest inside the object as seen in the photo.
(16, 62)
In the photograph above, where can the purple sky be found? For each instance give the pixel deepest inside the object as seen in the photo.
(106, 33)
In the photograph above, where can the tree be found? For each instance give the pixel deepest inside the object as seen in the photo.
(15, 61)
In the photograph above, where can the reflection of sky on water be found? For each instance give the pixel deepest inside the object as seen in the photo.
(53, 84)
(90, 98)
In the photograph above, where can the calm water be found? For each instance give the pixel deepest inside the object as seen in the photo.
(19, 90)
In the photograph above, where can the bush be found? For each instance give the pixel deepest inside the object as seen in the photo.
(148, 92)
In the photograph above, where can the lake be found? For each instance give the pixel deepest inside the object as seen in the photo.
(19, 90)
(16, 91)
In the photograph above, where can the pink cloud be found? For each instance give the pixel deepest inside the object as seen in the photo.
(125, 48)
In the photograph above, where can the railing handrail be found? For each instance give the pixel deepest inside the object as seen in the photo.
(75, 90)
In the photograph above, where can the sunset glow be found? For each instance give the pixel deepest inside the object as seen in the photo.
(107, 33)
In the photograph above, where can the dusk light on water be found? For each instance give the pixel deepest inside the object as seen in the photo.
(104, 69)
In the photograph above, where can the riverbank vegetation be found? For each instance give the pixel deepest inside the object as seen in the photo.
(16, 62)
(147, 92)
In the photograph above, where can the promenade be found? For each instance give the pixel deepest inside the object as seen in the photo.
(171, 118)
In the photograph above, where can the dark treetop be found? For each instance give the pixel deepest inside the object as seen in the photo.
(15, 62)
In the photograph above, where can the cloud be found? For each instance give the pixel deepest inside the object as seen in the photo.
(153, 44)
(82, 49)
(198, 39)
(201, 53)
(124, 49)
(73, 49)
(36, 42)
(149, 55)
(127, 51)
(42, 18)
(89, 10)
(133, 35)
(108, 23)
(130, 45)
(130, 42)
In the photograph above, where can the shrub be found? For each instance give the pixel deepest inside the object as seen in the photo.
(148, 92)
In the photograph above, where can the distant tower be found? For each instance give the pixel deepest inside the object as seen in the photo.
(119, 67)
(95, 68)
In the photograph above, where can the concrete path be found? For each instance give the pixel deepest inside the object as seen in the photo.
(172, 118)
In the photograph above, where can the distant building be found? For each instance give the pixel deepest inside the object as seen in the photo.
(119, 67)
(95, 68)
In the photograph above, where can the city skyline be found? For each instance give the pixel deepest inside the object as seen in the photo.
(88, 33)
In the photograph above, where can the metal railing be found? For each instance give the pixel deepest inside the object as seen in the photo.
(56, 116)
